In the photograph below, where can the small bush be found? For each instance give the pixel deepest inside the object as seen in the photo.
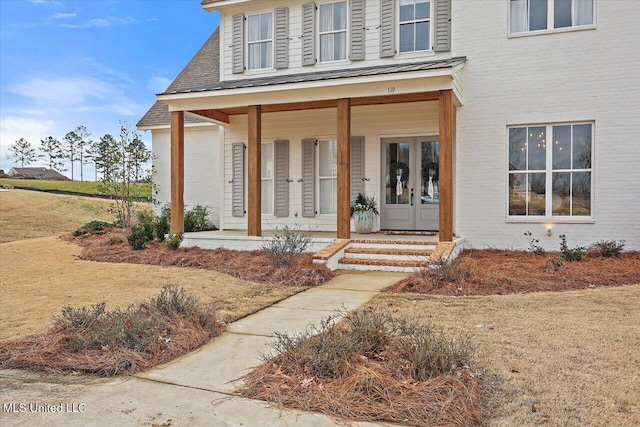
(162, 223)
(92, 227)
(443, 272)
(138, 237)
(114, 240)
(571, 254)
(608, 248)
(174, 300)
(174, 241)
(287, 244)
(145, 219)
(197, 219)
(556, 263)
(78, 319)
(533, 244)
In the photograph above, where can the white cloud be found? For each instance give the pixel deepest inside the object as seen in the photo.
(63, 16)
(13, 128)
(158, 84)
(99, 23)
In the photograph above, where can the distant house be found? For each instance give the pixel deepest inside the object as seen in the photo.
(36, 173)
(2, 174)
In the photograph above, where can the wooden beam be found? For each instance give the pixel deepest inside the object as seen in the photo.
(213, 115)
(446, 128)
(344, 169)
(254, 152)
(177, 171)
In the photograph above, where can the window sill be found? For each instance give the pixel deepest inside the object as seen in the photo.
(551, 31)
(258, 71)
(552, 220)
(330, 63)
(415, 54)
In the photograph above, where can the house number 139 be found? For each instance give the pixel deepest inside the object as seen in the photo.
(391, 89)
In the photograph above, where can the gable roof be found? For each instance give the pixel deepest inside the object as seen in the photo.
(37, 173)
(202, 70)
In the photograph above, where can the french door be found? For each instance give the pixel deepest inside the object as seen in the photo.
(410, 198)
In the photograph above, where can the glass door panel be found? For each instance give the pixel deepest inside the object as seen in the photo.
(397, 173)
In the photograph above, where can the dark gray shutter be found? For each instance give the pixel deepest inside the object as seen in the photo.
(282, 37)
(237, 43)
(237, 179)
(281, 177)
(357, 30)
(308, 177)
(442, 39)
(309, 34)
(387, 29)
(357, 166)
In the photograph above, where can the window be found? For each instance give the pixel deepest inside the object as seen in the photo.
(415, 25)
(267, 178)
(333, 31)
(260, 41)
(327, 176)
(537, 15)
(550, 170)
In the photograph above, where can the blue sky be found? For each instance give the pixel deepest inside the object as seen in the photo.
(90, 62)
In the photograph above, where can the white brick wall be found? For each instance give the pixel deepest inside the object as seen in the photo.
(576, 75)
(201, 171)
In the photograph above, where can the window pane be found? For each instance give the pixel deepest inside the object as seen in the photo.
(326, 47)
(266, 53)
(254, 56)
(581, 187)
(328, 158)
(561, 147)
(517, 149)
(406, 10)
(423, 9)
(537, 15)
(422, 36)
(267, 196)
(517, 194)
(339, 46)
(267, 161)
(584, 12)
(326, 11)
(328, 196)
(537, 200)
(518, 16)
(581, 146)
(537, 148)
(254, 27)
(265, 26)
(561, 201)
(340, 16)
(406, 38)
(562, 13)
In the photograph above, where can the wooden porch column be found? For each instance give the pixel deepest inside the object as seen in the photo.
(446, 127)
(177, 171)
(344, 168)
(254, 152)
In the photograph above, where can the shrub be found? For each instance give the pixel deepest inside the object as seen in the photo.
(533, 244)
(174, 300)
(138, 237)
(197, 219)
(92, 227)
(571, 254)
(286, 245)
(162, 223)
(145, 219)
(443, 272)
(174, 241)
(78, 319)
(608, 248)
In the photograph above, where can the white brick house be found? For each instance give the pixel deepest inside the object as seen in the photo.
(477, 119)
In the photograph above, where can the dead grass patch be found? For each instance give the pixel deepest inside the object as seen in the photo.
(560, 359)
(114, 342)
(490, 271)
(372, 367)
(245, 265)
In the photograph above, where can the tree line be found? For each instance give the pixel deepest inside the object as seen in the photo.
(77, 146)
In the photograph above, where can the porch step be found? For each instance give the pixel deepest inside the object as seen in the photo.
(394, 255)
(388, 254)
(381, 264)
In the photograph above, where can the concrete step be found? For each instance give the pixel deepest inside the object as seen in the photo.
(398, 250)
(367, 264)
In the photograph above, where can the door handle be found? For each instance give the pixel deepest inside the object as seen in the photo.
(412, 197)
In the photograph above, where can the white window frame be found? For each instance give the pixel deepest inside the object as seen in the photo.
(550, 21)
(258, 42)
(346, 31)
(549, 171)
(415, 21)
(327, 177)
(269, 179)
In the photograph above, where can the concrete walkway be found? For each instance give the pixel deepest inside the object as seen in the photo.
(195, 389)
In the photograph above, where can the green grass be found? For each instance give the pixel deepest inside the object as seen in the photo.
(86, 187)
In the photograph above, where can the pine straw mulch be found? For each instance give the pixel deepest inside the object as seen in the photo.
(116, 342)
(491, 272)
(112, 246)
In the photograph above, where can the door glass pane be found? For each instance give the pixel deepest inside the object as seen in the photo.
(581, 146)
(562, 13)
(561, 147)
(561, 202)
(537, 148)
(581, 188)
(429, 168)
(537, 15)
(517, 194)
(537, 200)
(397, 173)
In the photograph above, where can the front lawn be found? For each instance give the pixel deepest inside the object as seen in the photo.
(82, 187)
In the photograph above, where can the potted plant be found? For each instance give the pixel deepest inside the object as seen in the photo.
(362, 210)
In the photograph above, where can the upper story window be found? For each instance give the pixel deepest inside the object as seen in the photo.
(260, 41)
(333, 31)
(415, 25)
(540, 15)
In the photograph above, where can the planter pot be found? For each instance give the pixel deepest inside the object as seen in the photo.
(363, 221)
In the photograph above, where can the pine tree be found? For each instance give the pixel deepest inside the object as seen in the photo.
(52, 152)
(70, 149)
(22, 152)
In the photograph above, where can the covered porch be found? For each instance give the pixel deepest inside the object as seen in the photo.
(435, 83)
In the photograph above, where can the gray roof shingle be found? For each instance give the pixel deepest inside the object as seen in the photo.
(202, 70)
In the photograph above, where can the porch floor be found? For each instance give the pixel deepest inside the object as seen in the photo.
(325, 236)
